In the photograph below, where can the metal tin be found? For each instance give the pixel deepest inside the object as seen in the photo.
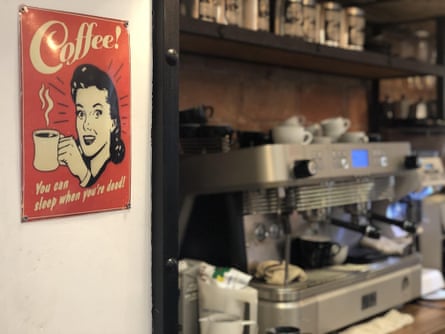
(353, 32)
(207, 10)
(233, 12)
(277, 8)
(331, 17)
(293, 18)
(264, 15)
(256, 14)
(309, 20)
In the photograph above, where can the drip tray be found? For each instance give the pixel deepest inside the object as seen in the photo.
(331, 278)
(319, 277)
(318, 281)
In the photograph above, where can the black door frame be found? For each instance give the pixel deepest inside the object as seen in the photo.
(165, 157)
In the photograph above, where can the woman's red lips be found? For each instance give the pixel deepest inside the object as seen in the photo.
(88, 140)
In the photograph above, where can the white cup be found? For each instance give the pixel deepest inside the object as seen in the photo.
(315, 129)
(322, 140)
(295, 120)
(223, 323)
(341, 256)
(291, 134)
(46, 143)
(335, 127)
(354, 137)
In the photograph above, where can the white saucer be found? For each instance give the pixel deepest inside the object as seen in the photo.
(436, 295)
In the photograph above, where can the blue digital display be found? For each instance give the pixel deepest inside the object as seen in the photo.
(359, 158)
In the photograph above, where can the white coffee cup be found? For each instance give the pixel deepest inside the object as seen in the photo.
(46, 143)
(291, 134)
(335, 127)
(354, 137)
(315, 129)
(223, 323)
(322, 140)
(294, 120)
(341, 256)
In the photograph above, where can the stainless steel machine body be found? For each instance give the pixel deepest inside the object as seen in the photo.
(242, 207)
(432, 198)
(277, 165)
(333, 298)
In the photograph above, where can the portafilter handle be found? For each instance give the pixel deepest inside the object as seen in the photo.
(406, 225)
(367, 230)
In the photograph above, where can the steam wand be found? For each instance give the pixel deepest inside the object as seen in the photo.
(406, 225)
(287, 245)
(285, 222)
(367, 230)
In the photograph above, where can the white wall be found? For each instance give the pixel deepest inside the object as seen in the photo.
(87, 274)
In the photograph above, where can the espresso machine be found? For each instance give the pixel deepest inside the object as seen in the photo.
(242, 207)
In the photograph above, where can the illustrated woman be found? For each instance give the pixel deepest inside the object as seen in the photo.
(97, 124)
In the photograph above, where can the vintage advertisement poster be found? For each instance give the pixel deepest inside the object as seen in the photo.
(75, 82)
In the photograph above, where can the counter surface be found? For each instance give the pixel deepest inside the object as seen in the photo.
(429, 317)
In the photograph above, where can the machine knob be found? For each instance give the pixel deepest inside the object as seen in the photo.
(260, 232)
(372, 232)
(412, 162)
(304, 168)
(344, 163)
(409, 227)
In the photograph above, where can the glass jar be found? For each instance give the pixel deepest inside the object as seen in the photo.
(330, 22)
(293, 18)
(353, 32)
(309, 20)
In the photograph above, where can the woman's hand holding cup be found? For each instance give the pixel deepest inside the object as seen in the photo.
(69, 155)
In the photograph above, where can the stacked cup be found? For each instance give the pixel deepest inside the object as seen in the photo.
(329, 130)
(335, 127)
(291, 131)
(354, 137)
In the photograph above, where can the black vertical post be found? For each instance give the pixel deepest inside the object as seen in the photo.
(165, 180)
(440, 45)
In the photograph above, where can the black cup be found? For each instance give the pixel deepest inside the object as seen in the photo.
(199, 115)
(252, 138)
(190, 130)
(194, 130)
(214, 131)
(283, 330)
(311, 253)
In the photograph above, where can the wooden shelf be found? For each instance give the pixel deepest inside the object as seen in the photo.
(231, 42)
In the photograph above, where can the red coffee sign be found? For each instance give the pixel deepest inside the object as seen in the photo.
(75, 114)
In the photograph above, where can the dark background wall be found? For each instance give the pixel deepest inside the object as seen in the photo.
(257, 97)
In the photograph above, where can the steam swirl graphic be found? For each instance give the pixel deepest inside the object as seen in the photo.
(46, 101)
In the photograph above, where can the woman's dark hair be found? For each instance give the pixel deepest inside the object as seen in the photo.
(88, 75)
